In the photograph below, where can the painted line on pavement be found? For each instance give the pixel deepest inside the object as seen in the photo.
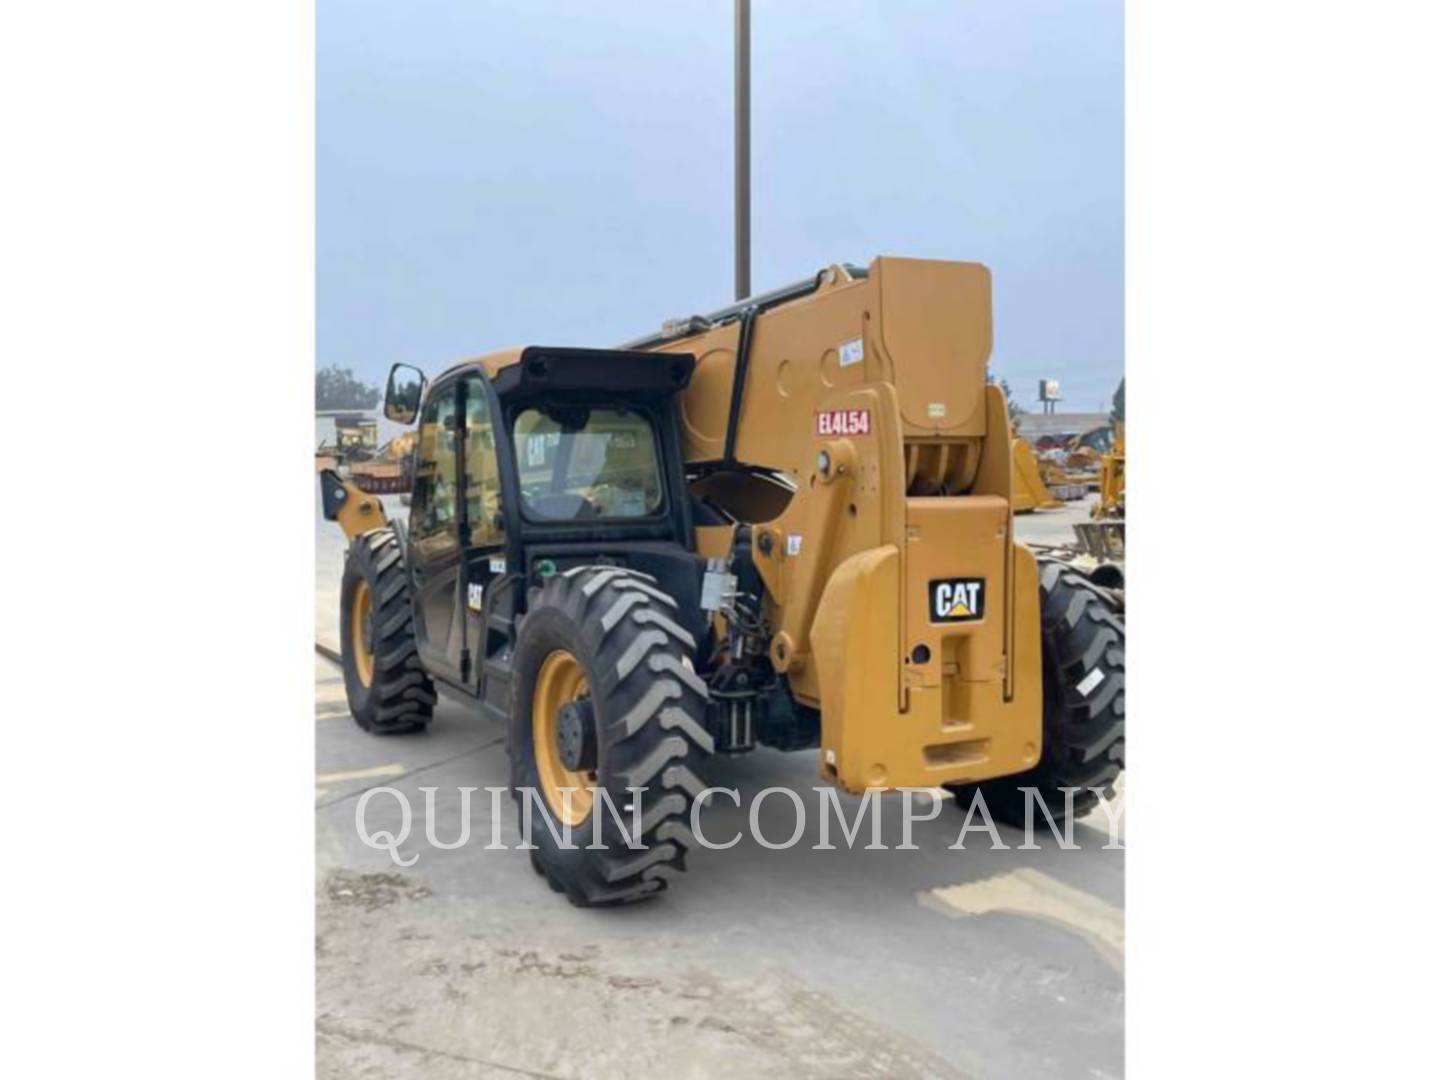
(1034, 894)
(360, 774)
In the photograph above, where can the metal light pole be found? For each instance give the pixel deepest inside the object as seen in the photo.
(742, 149)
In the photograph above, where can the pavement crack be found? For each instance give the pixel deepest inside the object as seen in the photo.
(340, 1031)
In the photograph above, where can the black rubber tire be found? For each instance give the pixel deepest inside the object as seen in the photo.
(400, 697)
(650, 726)
(1084, 731)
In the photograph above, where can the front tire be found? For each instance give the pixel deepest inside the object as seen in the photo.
(605, 640)
(1083, 654)
(388, 691)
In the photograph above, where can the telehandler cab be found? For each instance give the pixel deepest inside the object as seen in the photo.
(786, 523)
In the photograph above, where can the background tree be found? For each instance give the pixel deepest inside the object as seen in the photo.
(1011, 405)
(338, 388)
(1117, 404)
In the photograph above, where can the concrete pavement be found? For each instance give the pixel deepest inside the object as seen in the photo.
(931, 962)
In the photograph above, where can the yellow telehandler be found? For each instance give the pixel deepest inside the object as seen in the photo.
(785, 523)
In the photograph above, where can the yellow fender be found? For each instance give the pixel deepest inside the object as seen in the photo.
(1028, 490)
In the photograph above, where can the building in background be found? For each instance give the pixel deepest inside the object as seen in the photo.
(1046, 430)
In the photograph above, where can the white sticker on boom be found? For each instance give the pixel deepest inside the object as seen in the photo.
(852, 352)
(792, 544)
(476, 596)
(937, 410)
(497, 565)
(1089, 682)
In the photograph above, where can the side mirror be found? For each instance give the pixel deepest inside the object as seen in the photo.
(402, 393)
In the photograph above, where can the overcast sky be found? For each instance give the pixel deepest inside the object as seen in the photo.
(559, 171)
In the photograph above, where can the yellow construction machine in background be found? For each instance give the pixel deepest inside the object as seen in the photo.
(1104, 535)
(1027, 487)
(389, 471)
(1112, 478)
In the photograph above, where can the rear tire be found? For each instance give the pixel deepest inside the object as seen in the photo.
(649, 725)
(1083, 656)
(388, 691)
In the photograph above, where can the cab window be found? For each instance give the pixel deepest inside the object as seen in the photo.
(580, 463)
(482, 473)
(433, 503)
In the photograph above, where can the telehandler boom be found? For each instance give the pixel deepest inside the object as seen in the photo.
(784, 523)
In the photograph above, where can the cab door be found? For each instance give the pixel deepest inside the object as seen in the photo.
(435, 550)
(489, 597)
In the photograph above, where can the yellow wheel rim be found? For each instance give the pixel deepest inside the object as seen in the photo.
(360, 640)
(561, 680)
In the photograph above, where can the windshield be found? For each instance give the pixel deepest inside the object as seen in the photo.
(584, 464)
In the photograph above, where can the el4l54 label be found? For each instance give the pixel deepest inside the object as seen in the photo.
(842, 422)
(960, 599)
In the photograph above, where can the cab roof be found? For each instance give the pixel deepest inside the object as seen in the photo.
(542, 370)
